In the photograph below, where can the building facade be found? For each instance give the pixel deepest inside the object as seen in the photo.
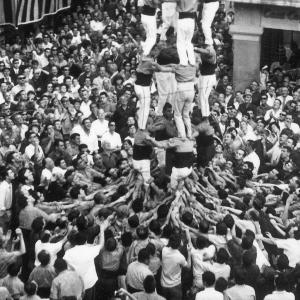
(253, 19)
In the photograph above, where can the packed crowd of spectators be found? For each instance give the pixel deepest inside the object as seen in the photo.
(80, 215)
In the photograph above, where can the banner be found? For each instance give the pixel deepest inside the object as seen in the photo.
(19, 12)
(8, 12)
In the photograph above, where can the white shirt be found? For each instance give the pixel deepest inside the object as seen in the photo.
(30, 151)
(85, 109)
(209, 294)
(197, 258)
(52, 248)
(218, 240)
(254, 158)
(294, 127)
(90, 139)
(280, 295)
(5, 196)
(136, 273)
(172, 263)
(99, 127)
(291, 250)
(97, 26)
(81, 259)
(114, 140)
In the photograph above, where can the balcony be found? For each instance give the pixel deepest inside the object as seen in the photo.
(286, 3)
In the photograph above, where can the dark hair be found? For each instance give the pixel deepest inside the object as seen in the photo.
(162, 211)
(44, 258)
(282, 262)
(13, 269)
(248, 258)
(149, 284)
(221, 228)
(126, 239)
(222, 256)
(137, 205)
(30, 288)
(201, 242)
(154, 226)
(133, 221)
(229, 221)
(174, 241)
(221, 284)
(60, 265)
(208, 278)
(81, 223)
(151, 249)
(37, 224)
(142, 232)
(187, 218)
(80, 238)
(110, 244)
(203, 226)
(143, 255)
(247, 242)
(45, 237)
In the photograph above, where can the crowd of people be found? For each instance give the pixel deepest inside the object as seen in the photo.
(131, 167)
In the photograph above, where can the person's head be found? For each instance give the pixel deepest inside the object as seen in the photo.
(239, 154)
(174, 241)
(222, 256)
(30, 288)
(110, 244)
(112, 126)
(168, 111)
(221, 228)
(221, 284)
(142, 232)
(277, 104)
(86, 123)
(25, 176)
(208, 278)
(282, 262)
(75, 138)
(14, 269)
(149, 284)
(144, 256)
(44, 257)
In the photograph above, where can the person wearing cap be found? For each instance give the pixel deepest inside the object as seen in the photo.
(207, 78)
(210, 7)
(186, 24)
(148, 19)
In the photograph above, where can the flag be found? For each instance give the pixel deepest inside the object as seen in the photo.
(8, 12)
(29, 11)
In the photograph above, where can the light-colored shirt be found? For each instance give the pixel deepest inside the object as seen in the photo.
(136, 273)
(5, 196)
(99, 127)
(113, 139)
(52, 248)
(291, 250)
(172, 263)
(81, 259)
(209, 294)
(280, 295)
(238, 292)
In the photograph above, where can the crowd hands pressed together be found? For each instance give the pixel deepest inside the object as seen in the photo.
(132, 168)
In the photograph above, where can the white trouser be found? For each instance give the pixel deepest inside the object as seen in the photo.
(182, 108)
(179, 174)
(143, 166)
(169, 18)
(206, 84)
(185, 48)
(149, 23)
(208, 15)
(144, 97)
(166, 88)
